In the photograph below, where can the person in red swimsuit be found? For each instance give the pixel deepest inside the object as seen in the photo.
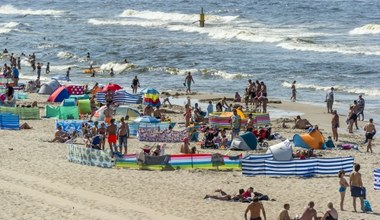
(111, 135)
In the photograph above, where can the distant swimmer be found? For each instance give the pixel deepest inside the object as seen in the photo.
(125, 61)
(5, 50)
(88, 55)
(48, 68)
(19, 63)
(111, 72)
(68, 73)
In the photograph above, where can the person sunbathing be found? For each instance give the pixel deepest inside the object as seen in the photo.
(225, 197)
(59, 136)
(301, 123)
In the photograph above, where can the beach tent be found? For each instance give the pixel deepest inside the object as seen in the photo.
(75, 89)
(246, 141)
(281, 151)
(313, 139)
(68, 102)
(124, 110)
(54, 84)
(84, 106)
(45, 89)
(152, 97)
(59, 95)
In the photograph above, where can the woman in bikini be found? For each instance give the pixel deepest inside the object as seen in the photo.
(342, 189)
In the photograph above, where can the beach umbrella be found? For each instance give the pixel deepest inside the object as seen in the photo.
(112, 87)
(151, 97)
(147, 119)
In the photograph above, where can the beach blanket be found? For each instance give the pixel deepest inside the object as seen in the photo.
(255, 165)
(88, 156)
(23, 112)
(120, 97)
(156, 135)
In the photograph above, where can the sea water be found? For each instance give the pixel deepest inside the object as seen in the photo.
(319, 44)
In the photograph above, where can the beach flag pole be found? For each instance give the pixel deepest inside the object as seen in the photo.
(201, 18)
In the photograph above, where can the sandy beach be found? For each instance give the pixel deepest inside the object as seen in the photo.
(37, 181)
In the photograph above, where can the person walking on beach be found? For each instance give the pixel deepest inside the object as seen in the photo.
(293, 98)
(370, 131)
(343, 184)
(235, 124)
(356, 186)
(255, 208)
(330, 100)
(135, 84)
(284, 214)
(361, 105)
(188, 80)
(335, 125)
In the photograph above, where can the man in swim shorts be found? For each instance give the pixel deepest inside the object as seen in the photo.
(123, 135)
(370, 131)
(111, 135)
(356, 186)
(255, 207)
(108, 113)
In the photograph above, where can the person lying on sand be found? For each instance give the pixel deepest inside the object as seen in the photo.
(301, 123)
(225, 197)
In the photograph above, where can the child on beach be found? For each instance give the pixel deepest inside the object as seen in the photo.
(342, 189)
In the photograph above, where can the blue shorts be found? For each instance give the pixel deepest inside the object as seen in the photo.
(342, 189)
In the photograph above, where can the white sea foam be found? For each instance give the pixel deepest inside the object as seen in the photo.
(7, 27)
(65, 55)
(60, 68)
(366, 29)
(330, 48)
(365, 91)
(11, 10)
(148, 23)
(117, 67)
(224, 74)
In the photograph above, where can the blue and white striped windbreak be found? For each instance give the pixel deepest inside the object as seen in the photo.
(120, 97)
(376, 179)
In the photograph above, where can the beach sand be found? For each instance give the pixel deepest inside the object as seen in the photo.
(37, 181)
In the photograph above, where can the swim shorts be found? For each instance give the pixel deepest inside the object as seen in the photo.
(112, 138)
(356, 191)
(369, 135)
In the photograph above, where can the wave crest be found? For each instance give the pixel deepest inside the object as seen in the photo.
(366, 29)
(11, 10)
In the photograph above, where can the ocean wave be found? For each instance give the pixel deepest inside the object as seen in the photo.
(7, 27)
(346, 89)
(61, 68)
(223, 74)
(117, 67)
(329, 48)
(11, 10)
(65, 55)
(126, 23)
(174, 17)
(366, 29)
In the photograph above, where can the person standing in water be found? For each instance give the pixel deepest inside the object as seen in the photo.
(68, 73)
(88, 55)
(92, 71)
(47, 68)
(135, 84)
(294, 92)
(39, 66)
(330, 100)
(188, 80)
(112, 73)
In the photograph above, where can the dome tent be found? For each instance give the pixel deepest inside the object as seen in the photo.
(59, 95)
(281, 151)
(246, 141)
(45, 89)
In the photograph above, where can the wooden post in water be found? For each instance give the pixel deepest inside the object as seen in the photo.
(202, 19)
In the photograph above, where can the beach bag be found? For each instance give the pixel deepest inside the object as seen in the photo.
(367, 206)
